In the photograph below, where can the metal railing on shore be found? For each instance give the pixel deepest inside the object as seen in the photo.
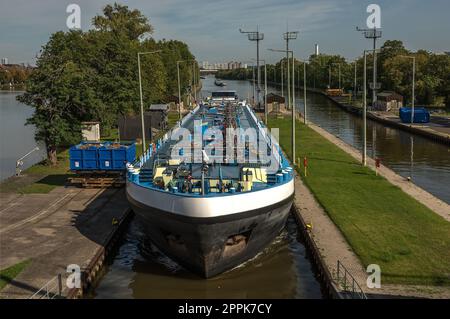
(51, 290)
(348, 284)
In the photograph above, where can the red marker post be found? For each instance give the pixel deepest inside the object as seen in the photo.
(305, 164)
(377, 165)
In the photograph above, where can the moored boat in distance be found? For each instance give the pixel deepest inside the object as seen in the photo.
(215, 190)
(219, 83)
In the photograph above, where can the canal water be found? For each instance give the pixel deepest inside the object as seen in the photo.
(140, 270)
(16, 138)
(283, 269)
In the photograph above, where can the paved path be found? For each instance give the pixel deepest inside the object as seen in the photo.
(65, 226)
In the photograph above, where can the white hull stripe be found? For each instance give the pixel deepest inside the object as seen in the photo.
(215, 206)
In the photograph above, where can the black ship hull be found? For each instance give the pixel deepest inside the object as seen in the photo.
(210, 246)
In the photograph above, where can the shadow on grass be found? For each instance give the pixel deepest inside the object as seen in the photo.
(311, 158)
(45, 184)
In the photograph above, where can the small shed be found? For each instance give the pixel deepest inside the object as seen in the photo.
(159, 116)
(387, 101)
(275, 103)
(172, 99)
(272, 97)
(90, 131)
(130, 127)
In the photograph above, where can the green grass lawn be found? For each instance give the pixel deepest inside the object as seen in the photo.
(382, 224)
(40, 178)
(8, 274)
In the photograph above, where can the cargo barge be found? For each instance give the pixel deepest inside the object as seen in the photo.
(211, 194)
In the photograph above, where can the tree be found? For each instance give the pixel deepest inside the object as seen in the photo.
(118, 19)
(61, 93)
(93, 76)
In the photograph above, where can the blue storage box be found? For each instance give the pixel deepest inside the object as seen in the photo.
(421, 115)
(101, 156)
(90, 164)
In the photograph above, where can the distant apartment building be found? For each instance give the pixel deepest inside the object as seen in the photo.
(4, 61)
(234, 65)
(205, 65)
(222, 65)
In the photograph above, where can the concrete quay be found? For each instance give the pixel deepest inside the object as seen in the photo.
(438, 129)
(66, 226)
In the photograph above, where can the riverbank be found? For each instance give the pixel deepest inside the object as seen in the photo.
(380, 222)
(438, 129)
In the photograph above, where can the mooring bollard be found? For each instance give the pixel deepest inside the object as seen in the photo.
(377, 165)
(305, 164)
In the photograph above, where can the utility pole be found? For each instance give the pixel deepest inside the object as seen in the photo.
(373, 34)
(289, 35)
(266, 111)
(329, 76)
(364, 161)
(282, 75)
(413, 96)
(265, 91)
(194, 81)
(355, 84)
(256, 36)
(293, 100)
(141, 98)
(304, 91)
(339, 66)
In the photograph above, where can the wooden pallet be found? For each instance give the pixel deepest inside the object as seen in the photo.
(97, 181)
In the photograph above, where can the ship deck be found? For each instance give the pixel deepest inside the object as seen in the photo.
(158, 169)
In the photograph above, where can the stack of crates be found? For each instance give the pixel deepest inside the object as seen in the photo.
(111, 156)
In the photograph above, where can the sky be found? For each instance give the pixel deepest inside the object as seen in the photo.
(211, 27)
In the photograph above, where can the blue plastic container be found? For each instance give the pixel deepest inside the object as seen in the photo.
(421, 115)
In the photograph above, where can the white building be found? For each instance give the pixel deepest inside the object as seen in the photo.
(4, 61)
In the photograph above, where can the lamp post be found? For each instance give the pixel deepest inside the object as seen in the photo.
(179, 85)
(282, 80)
(364, 153)
(265, 90)
(339, 65)
(355, 84)
(289, 35)
(293, 100)
(373, 34)
(304, 91)
(140, 92)
(329, 76)
(413, 97)
(256, 36)
(253, 76)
